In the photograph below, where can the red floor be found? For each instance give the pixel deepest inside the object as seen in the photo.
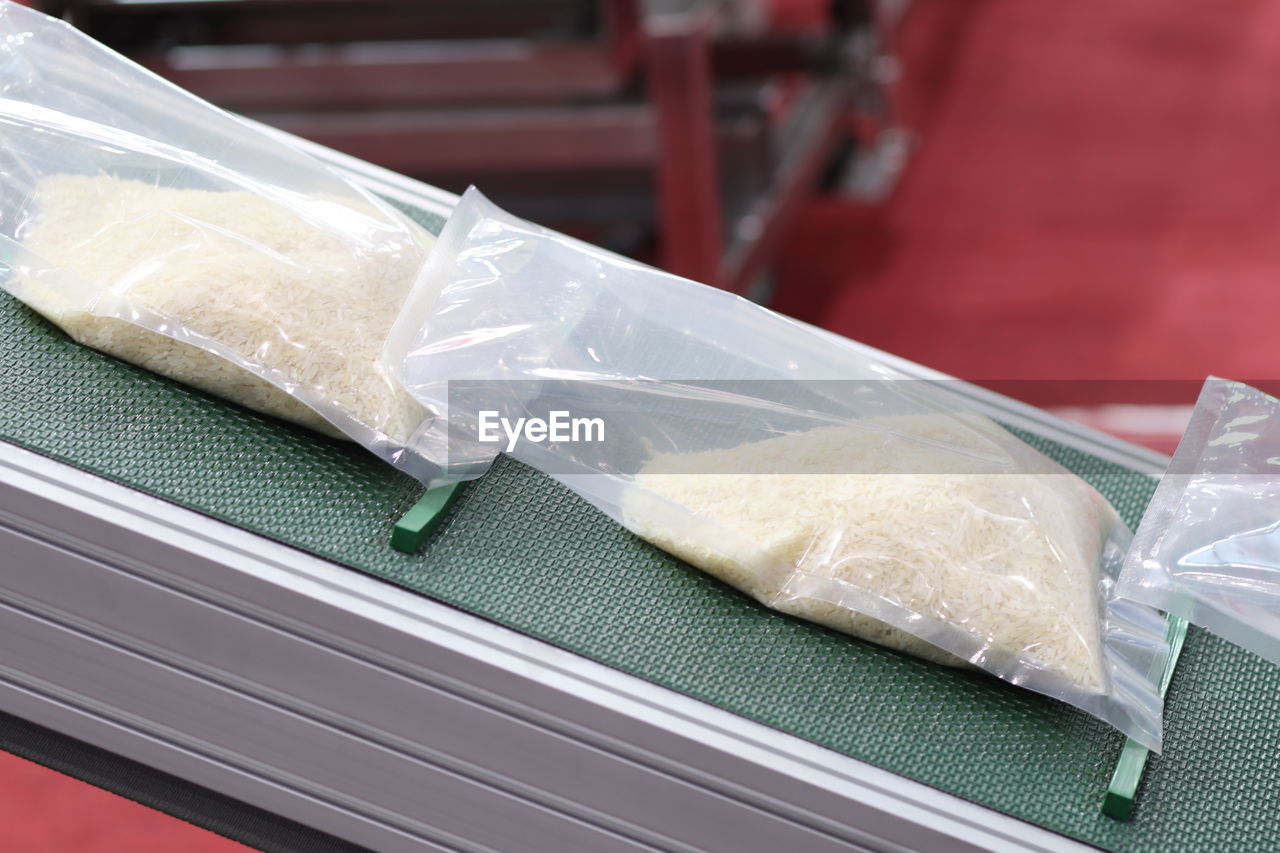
(1095, 195)
(43, 812)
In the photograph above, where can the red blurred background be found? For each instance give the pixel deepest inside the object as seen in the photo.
(1090, 194)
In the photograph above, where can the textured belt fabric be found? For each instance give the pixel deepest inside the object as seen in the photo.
(518, 549)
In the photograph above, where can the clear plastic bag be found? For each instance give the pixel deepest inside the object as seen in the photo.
(781, 459)
(1208, 548)
(162, 230)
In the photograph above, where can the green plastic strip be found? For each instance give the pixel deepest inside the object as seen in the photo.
(413, 527)
(1133, 759)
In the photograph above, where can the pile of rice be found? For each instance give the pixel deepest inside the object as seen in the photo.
(819, 524)
(307, 305)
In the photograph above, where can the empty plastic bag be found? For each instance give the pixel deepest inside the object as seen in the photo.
(1208, 548)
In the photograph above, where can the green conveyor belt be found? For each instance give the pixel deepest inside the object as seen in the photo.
(520, 550)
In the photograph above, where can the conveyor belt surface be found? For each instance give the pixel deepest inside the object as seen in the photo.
(522, 551)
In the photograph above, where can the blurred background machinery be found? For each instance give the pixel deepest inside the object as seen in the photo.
(684, 132)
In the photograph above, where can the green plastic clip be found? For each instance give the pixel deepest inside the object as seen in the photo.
(412, 528)
(1133, 759)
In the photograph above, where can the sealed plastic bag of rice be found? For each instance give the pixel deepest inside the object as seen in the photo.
(157, 228)
(1208, 548)
(788, 462)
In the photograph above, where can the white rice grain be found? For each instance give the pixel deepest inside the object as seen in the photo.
(1010, 559)
(306, 305)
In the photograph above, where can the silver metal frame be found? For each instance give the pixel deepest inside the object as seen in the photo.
(399, 723)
